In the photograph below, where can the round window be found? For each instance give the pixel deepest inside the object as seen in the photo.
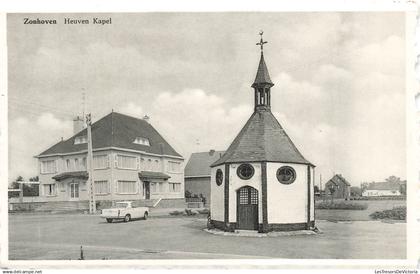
(286, 175)
(219, 177)
(245, 171)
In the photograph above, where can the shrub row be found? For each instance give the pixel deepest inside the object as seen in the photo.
(341, 205)
(397, 213)
(356, 198)
(189, 212)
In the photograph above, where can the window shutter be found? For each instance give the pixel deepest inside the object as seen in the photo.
(116, 186)
(116, 161)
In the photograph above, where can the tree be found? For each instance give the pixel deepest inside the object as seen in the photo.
(15, 183)
(331, 188)
(355, 191)
(393, 179)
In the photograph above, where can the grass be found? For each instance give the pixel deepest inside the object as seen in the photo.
(397, 213)
(341, 205)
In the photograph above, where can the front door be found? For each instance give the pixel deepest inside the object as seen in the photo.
(247, 204)
(74, 191)
(147, 190)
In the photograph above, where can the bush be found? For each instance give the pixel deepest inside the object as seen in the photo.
(397, 213)
(341, 205)
(189, 212)
(176, 213)
(203, 211)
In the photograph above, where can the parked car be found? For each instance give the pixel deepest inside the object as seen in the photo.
(124, 211)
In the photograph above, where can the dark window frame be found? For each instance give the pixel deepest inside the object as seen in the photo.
(219, 177)
(286, 168)
(241, 168)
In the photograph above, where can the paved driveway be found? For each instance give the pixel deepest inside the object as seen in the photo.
(60, 237)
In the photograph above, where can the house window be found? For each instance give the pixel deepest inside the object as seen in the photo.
(142, 141)
(76, 164)
(219, 177)
(100, 161)
(153, 187)
(80, 140)
(174, 187)
(127, 187)
(49, 190)
(84, 166)
(245, 171)
(156, 166)
(149, 164)
(126, 162)
(286, 175)
(174, 166)
(101, 187)
(161, 189)
(68, 165)
(48, 167)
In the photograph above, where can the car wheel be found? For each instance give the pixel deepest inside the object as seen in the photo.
(109, 220)
(127, 218)
(146, 215)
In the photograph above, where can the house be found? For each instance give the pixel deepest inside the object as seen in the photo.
(385, 189)
(131, 161)
(262, 182)
(339, 187)
(197, 173)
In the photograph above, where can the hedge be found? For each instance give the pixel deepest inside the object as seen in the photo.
(341, 205)
(397, 213)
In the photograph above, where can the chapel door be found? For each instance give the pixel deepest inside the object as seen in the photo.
(247, 208)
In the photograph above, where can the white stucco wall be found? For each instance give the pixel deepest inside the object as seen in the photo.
(288, 203)
(217, 195)
(236, 183)
(374, 192)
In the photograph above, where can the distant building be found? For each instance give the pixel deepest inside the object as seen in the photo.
(340, 185)
(385, 189)
(198, 175)
(131, 161)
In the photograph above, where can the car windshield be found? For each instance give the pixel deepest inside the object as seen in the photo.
(120, 205)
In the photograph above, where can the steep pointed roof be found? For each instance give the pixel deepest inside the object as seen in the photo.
(262, 139)
(118, 131)
(262, 77)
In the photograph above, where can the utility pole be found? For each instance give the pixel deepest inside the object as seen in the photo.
(92, 203)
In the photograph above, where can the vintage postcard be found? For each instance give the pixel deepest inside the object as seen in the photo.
(210, 138)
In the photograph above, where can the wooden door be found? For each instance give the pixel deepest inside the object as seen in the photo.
(147, 190)
(247, 208)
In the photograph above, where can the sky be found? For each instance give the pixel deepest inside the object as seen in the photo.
(339, 82)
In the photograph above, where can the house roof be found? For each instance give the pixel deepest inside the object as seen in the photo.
(71, 174)
(262, 77)
(384, 186)
(199, 163)
(338, 179)
(153, 175)
(262, 139)
(117, 130)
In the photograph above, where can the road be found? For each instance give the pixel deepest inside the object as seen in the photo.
(59, 237)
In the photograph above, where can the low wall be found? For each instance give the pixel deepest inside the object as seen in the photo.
(31, 206)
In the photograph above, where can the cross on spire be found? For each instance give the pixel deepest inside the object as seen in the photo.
(261, 43)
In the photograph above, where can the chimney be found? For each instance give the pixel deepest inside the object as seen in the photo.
(146, 118)
(211, 152)
(78, 124)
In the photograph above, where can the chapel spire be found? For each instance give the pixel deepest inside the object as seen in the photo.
(262, 82)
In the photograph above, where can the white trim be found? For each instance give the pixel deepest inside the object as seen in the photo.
(198, 176)
(111, 148)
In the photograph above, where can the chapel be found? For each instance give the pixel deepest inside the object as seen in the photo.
(262, 182)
